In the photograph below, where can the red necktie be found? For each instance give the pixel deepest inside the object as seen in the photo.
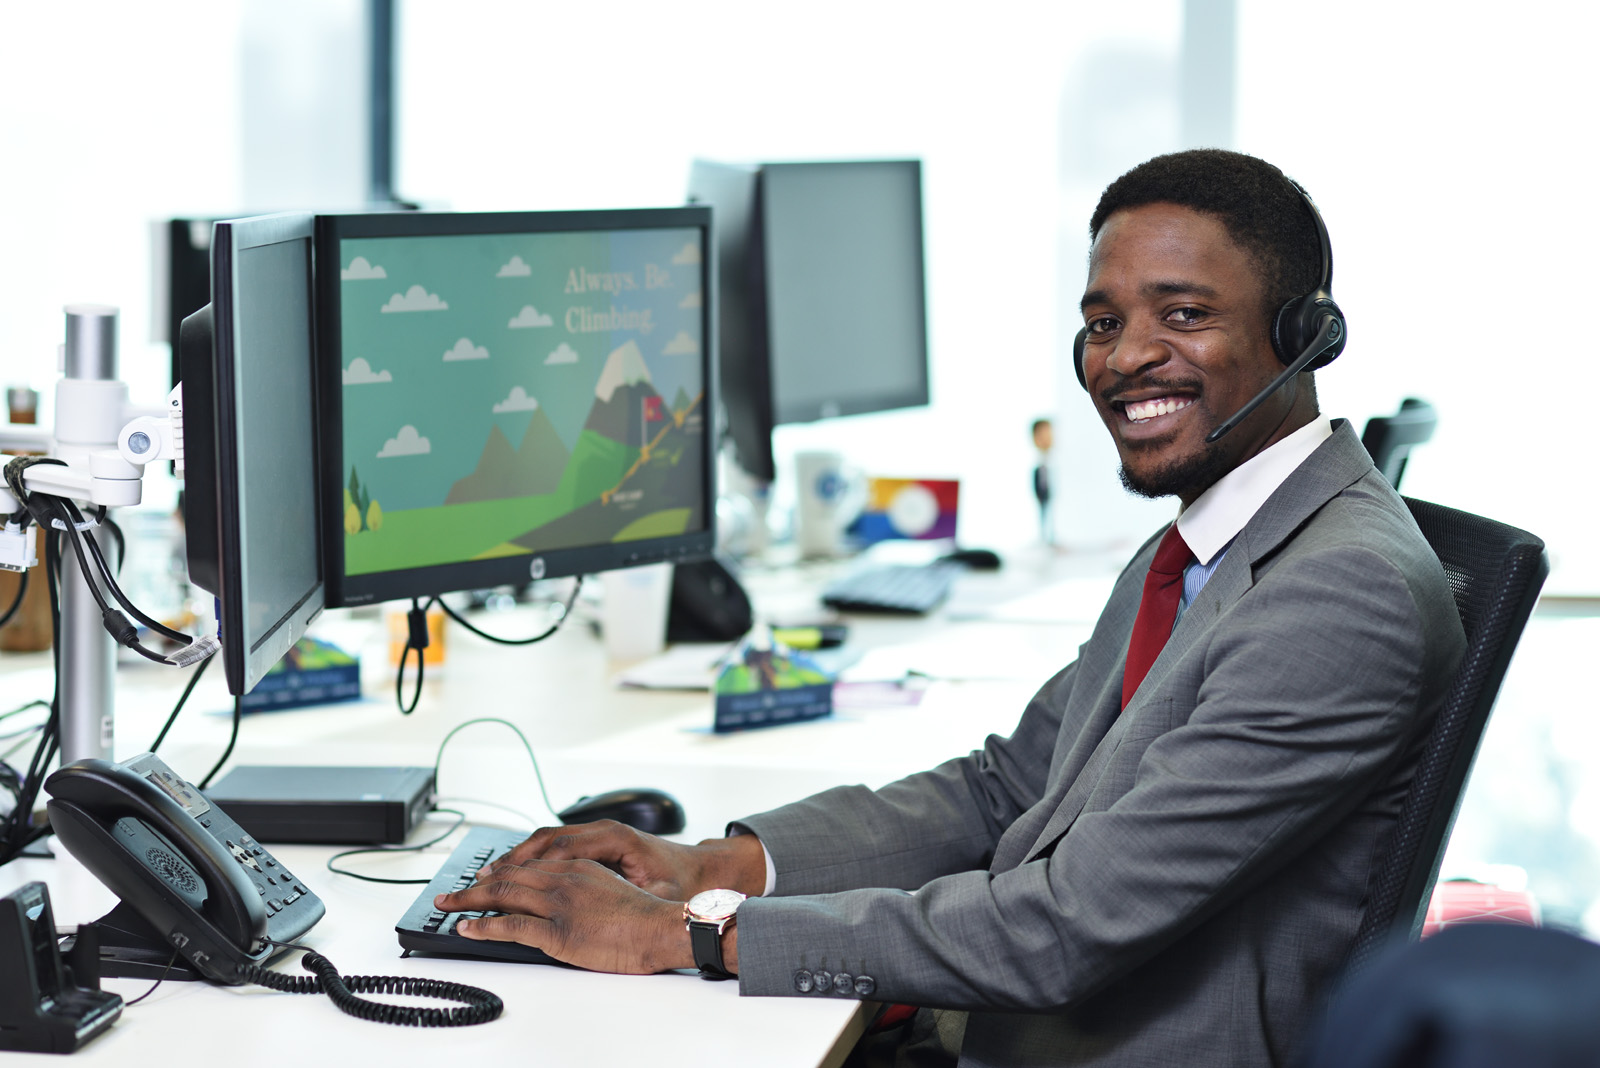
(1163, 587)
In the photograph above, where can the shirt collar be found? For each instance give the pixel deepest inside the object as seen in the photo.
(1217, 516)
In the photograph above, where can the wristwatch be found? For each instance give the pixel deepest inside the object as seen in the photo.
(707, 915)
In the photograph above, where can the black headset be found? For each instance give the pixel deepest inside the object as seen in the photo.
(1308, 332)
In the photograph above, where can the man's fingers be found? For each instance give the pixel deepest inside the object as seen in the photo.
(593, 841)
(520, 887)
(512, 927)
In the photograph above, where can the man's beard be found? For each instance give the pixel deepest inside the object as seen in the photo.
(1189, 476)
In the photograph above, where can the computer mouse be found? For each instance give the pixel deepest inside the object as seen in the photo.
(976, 559)
(652, 811)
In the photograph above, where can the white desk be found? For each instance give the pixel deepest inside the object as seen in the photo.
(589, 736)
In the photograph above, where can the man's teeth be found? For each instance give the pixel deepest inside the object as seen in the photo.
(1140, 411)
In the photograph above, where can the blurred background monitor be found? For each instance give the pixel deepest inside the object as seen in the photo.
(512, 396)
(250, 509)
(181, 278)
(823, 304)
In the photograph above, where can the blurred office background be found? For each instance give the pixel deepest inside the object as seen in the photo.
(1445, 143)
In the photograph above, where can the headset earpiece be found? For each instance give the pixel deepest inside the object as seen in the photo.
(1077, 356)
(1299, 321)
(1297, 324)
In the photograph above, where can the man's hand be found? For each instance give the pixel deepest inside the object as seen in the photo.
(665, 869)
(578, 911)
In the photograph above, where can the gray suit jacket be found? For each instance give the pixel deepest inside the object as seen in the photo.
(1172, 885)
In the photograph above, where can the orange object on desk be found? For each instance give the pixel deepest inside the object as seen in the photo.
(400, 630)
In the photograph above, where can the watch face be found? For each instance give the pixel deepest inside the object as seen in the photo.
(714, 904)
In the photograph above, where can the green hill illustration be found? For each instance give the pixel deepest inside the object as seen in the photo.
(632, 473)
(532, 468)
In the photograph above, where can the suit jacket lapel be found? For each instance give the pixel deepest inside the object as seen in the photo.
(1336, 463)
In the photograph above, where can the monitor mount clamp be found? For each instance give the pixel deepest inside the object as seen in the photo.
(100, 447)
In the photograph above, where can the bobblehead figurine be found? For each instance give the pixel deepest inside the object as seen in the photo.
(1043, 439)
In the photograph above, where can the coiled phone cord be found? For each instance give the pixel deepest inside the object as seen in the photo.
(477, 1005)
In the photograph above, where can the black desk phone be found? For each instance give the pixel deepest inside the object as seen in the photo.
(204, 886)
(193, 881)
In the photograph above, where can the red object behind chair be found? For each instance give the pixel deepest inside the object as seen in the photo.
(1464, 901)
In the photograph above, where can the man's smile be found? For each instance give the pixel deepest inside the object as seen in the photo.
(1143, 411)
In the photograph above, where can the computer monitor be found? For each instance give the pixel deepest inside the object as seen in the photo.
(250, 448)
(823, 293)
(182, 278)
(513, 396)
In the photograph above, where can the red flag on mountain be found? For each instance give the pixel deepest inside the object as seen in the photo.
(652, 409)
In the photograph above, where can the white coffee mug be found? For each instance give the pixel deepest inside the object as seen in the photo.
(828, 495)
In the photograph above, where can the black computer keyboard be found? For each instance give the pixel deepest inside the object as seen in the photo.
(425, 929)
(910, 588)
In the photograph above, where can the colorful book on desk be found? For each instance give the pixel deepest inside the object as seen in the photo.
(763, 683)
(313, 672)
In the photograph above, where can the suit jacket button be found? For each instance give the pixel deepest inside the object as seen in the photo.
(824, 980)
(803, 981)
(865, 985)
(843, 983)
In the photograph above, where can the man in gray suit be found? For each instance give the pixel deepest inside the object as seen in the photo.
(1167, 862)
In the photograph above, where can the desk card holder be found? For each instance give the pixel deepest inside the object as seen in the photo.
(762, 683)
(43, 1007)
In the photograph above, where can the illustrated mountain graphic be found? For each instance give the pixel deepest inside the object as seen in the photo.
(619, 397)
(532, 468)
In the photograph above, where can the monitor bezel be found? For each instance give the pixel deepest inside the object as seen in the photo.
(247, 658)
(350, 591)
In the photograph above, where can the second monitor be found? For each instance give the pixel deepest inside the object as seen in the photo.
(823, 308)
(512, 396)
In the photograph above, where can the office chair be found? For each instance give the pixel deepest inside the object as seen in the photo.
(1389, 438)
(1495, 572)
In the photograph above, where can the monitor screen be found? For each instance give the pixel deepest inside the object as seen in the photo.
(843, 262)
(249, 393)
(512, 396)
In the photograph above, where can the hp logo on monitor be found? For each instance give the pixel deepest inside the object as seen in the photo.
(536, 569)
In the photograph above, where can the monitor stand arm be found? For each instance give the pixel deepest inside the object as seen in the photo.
(103, 444)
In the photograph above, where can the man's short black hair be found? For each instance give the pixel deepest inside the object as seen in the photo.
(1261, 210)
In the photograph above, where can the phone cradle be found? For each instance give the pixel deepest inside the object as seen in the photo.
(43, 1009)
(130, 948)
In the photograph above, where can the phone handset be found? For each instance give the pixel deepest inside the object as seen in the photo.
(142, 831)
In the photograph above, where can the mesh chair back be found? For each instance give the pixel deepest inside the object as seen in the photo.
(1495, 572)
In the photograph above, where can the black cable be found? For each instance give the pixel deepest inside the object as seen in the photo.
(115, 622)
(461, 817)
(22, 589)
(566, 611)
(182, 698)
(37, 702)
(238, 714)
(477, 1005)
(416, 638)
(17, 831)
(159, 980)
(117, 535)
(13, 475)
(133, 610)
